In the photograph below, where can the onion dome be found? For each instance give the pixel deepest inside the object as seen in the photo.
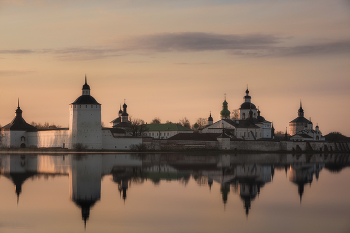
(120, 110)
(225, 113)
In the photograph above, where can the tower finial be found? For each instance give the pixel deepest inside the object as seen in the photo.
(18, 103)
(225, 96)
(85, 79)
(301, 106)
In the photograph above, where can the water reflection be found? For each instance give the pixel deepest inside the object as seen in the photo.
(244, 175)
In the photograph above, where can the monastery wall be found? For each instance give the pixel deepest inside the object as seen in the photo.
(109, 142)
(49, 138)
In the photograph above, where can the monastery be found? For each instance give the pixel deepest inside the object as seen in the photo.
(84, 129)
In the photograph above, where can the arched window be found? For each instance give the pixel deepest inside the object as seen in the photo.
(243, 116)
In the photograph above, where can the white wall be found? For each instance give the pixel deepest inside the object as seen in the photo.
(85, 125)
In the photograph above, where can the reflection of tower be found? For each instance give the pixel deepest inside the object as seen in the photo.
(122, 187)
(18, 180)
(210, 182)
(248, 192)
(225, 190)
(301, 175)
(85, 182)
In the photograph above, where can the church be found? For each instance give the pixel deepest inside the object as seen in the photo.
(249, 125)
(84, 130)
(301, 129)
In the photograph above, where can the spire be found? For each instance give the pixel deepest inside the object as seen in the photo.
(18, 103)
(301, 111)
(86, 87)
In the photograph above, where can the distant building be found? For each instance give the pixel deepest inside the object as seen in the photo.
(301, 128)
(165, 131)
(84, 129)
(250, 125)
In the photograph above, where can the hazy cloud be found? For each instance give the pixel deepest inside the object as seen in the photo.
(239, 45)
(16, 51)
(199, 41)
(15, 72)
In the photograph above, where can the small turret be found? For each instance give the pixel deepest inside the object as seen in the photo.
(210, 120)
(86, 88)
(125, 115)
(301, 111)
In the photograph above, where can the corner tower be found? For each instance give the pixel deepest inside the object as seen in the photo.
(85, 121)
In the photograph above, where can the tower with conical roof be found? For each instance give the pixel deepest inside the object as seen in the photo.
(300, 123)
(85, 121)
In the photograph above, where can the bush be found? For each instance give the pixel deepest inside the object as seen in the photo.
(138, 147)
(79, 147)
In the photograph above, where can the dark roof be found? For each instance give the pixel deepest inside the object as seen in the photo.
(123, 125)
(85, 99)
(116, 120)
(18, 123)
(166, 127)
(125, 114)
(248, 123)
(115, 130)
(247, 105)
(301, 120)
(195, 136)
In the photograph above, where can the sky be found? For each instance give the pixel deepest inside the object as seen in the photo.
(175, 59)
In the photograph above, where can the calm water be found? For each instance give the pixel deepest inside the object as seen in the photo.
(174, 193)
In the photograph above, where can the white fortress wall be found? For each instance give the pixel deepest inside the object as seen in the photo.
(110, 142)
(49, 138)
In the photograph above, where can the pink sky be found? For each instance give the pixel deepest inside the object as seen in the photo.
(175, 59)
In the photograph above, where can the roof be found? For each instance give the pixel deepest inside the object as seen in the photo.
(166, 127)
(195, 136)
(248, 105)
(18, 123)
(85, 99)
(248, 123)
(115, 130)
(116, 120)
(301, 120)
(123, 125)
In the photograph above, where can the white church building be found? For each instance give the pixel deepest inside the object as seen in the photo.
(84, 129)
(250, 125)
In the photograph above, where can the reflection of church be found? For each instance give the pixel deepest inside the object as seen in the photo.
(239, 174)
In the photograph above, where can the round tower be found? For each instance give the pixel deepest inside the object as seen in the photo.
(85, 121)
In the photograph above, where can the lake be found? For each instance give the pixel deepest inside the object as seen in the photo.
(175, 192)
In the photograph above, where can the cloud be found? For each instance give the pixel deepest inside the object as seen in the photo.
(255, 45)
(198, 41)
(16, 51)
(15, 72)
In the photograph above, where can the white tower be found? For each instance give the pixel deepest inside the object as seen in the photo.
(85, 121)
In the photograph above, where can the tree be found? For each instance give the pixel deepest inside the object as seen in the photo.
(168, 122)
(137, 127)
(200, 124)
(156, 120)
(235, 114)
(46, 125)
(185, 123)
